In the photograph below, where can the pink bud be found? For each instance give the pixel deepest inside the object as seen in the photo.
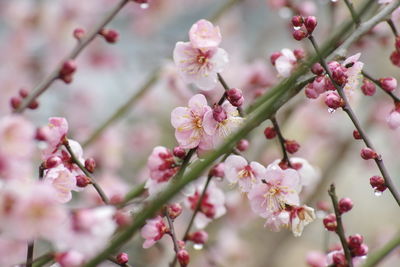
(79, 33)
(388, 84)
(356, 135)
(269, 132)
(395, 58)
(179, 152)
(297, 21)
(393, 119)
(174, 210)
(15, 102)
(218, 170)
(310, 23)
(122, 218)
(219, 114)
(311, 93)
(237, 103)
(199, 237)
(330, 222)
(355, 241)
(90, 164)
(323, 205)
(183, 257)
(368, 153)
(274, 57)
(345, 205)
(299, 53)
(52, 162)
(333, 100)
(82, 180)
(40, 134)
(317, 69)
(299, 35)
(68, 68)
(360, 251)
(378, 183)
(23, 93)
(242, 145)
(235, 97)
(34, 104)
(339, 259)
(122, 258)
(291, 146)
(68, 259)
(339, 76)
(368, 87)
(110, 35)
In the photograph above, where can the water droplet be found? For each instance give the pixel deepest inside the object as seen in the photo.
(198, 246)
(218, 179)
(297, 28)
(377, 193)
(144, 5)
(334, 1)
(331, 110)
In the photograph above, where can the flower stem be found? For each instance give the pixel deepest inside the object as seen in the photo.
(392, 27)
(349, 111)
(340, 228)
(75, 160)
(48, 81)
(281, 141)
(395, 98)
(374, 258)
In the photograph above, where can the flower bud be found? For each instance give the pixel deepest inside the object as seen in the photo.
(355, 241)
(357, 135)
(23, 93)
(310, 23)
(242, 145)
(40, 134)
(378, 183)
(339, 259)
(333, 100)
(79, 33)
(345, 205)
(299, 35)
(52, 162)
(368, 88)
(339, 76)
(68, 68)
(269, 132)
(393, 119)
(234, 94)
(122, 218)
(360, 251)
(90, 164)
(323, 205)
(317, 69)
(388, 84)
(368, 153)
(199, 237)
(299, 53)
(179, 152)
(395, 58)
(297, 21)
(110, 35)
(330, 222)
(311, 93)
(237, 103)
(218, 170)
(174, 210)
(219, 114)
(82, 180)
(122, 258)
(15, 102)
(291, 146)
(34, 104)
(183, 257)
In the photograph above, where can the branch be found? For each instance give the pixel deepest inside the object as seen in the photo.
(395, 98)
(340, 229)
(392, 27)
(281, 141)
(86, 172)
(375, 258)
(48, 81)
(353, 13)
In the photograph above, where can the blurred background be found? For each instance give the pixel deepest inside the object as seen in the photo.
(36, 34)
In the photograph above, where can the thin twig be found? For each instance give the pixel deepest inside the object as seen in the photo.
(392, 27)
(353, 13)
(340, 228)
(75, 160)
(347, 108)
(29, 254)
(48, 81)
(374, 258)
(395, 98)
(226, 87)
(281, 141)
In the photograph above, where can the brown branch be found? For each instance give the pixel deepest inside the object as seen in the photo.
(395, 98)
(281, 141)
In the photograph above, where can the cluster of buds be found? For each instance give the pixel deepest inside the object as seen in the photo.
(333, 100)
(338, 72)
(111, 36)
(304, 27)
(356, 245)
(235, 97)
(67, 70)
(16, 101)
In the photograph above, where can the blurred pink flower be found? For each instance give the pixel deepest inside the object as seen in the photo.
(285, 63)
(203, 34)
(161, 164)
(300, 217)
(237, 170)
(54, 134)
(188, 123)
(62, 180)
(12, 251)
(316, 259)
(393, 119)
(152, 231)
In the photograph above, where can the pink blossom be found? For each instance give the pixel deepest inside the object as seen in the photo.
(353, 69)
(278, 189)
(62, 180)
(199, 66)
(188, 123)
(12, 251)
(153, 231)
(70, 258)
(300, 217)
(285, 63)
(220, 130)
(277, 220)
(316, 259)
(88, 231)
(203, 34)
(393, 119)
(212, 205)
(161, 164)
(238, 170)
(54, 133)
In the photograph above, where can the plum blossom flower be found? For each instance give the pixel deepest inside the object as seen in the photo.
(278, 189)
(203, 34)
(70, 258)
(238, 170)
(161, 164)
(353, 70)
(300, 217)
(316, 259)
(87, 231)
(12, 251)
(221, 128)
(153, 231)
(199, 66)
(188, 123)
(54, 133)
(285, 63)
(212, 205)
(62, 180)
